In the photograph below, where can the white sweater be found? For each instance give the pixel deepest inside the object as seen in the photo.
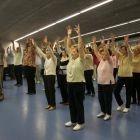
(50, 64)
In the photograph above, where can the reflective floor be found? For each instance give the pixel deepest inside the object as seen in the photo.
(24, 117)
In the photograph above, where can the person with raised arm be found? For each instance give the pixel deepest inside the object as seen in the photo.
(76, 80)
(88, 72)
(29, 64)
(49, 74)
(18, 64)
(136, 75)
(105, 79)
(124, 73)
(1, 70)
(63, 71)
(10, 62)
(115, 60)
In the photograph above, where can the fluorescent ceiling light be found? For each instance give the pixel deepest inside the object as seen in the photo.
(68, 17)
(97, 5)
(114, 26)
(61, 20)
(134, 20)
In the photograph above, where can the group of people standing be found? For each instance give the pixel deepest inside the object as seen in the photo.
(75, 72)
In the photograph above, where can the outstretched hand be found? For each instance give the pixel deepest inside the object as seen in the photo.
(73, 41)
(94, 39)
(112, 37)
(69, 30)
(126, 38)
(102, 40)
(45, 39)
(77, 29)
(64, 39)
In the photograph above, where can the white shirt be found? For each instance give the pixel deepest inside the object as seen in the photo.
(50, 64)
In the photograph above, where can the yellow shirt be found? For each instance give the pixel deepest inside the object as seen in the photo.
(125, 65)
(136, 64)
(75, 70)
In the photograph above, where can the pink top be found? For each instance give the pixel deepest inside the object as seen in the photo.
(115, 60)
(105, 72)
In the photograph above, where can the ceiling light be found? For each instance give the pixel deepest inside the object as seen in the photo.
(135, 20)
(97, 5)
(68, 17)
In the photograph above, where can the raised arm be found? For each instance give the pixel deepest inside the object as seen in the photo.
(117, 53)
(80, 42)
(95, 48)
(50, 50)
(106, 53)
(105, 47)
(19, 46)
(69, 31)
(65, 41)
(39, 51)
(130, 55)
(13, 45)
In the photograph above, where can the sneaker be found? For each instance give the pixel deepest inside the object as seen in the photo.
(70, 124)
(48, 107)
(52, 108)
(38, 82)
(1, 97)
(126, 110)
(120, 107)
(107, 117)
(78, 127)
(101, 115)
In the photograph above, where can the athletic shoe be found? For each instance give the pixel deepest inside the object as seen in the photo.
(78, 127)
(120, 107)
(70, 124)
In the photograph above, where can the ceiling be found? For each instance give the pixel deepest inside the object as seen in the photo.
(20, 17)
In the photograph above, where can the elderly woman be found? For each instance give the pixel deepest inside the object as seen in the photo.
(49, 74)
(30, 69)
(76, 80)
(136, 75)
(125, 73)
(105, 79)
(18, 64)
(63, 71)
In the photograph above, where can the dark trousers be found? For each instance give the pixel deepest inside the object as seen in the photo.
(89, 84)
(128, 85)
(4, 73)
(18, 74)
(76, 97)
(105, 98)
(63, 88)
(11, 71)
(115, 73)
(136, 86)
(24, 71)
(42, 73)
(49, 81)
(58, 78)
(30, 71)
